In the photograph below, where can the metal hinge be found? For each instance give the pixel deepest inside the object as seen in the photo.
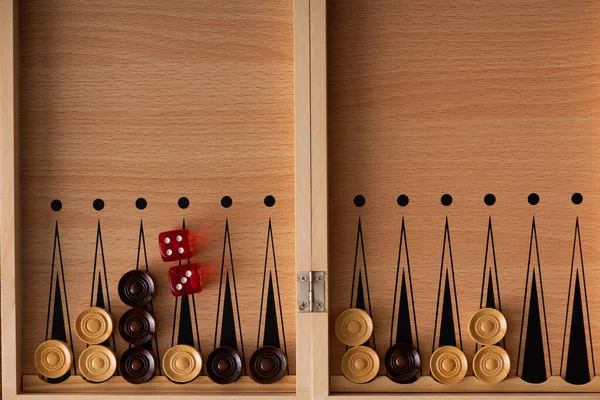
(311, 291)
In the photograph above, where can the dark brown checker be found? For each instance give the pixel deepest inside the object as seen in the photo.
(137, 365)
(137, 326)
(402, 362)
(224, 365)
(267, 365)
(136, 288)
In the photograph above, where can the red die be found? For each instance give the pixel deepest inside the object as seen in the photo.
(186, 279)
(176, 245)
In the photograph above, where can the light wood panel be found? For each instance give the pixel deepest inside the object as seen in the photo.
(320, 249)
(470, 384)
(9, 205)
(464, 98)
(302, 147)
(187, 99)
(160, 385)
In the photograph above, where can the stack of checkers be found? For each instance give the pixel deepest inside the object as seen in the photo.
(491, 363)
(97, 363)
(354, 327)
(94, 326)
(137, 327)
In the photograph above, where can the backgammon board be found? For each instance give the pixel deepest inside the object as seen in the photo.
(398, 165)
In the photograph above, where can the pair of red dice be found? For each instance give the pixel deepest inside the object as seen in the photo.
(178, 245)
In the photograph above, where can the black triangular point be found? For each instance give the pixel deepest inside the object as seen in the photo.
(228, 334)
(534, 365)
(271, 328)
(185, 318)
(142, 261)
(58, 327)
(490, 287)
(360, 296)
(100, 297)
(447, 319)
(58, 322)
(403, 329)
(228, 327)
(577, 369)
(185, 334)
(490, 300)
(577, 361)
(404, 320)
(447, 331)
(271, 336)
(100, 289)
(534, 346)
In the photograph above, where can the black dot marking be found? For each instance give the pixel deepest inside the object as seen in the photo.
(489, 199)
(533, 199)
(56, 205)
(359, 200)
(98, 204)
(269, 201)
(183, 202)
(226, 201)
(403, 200)
(141, 203)
(577, 198)
(446, 200)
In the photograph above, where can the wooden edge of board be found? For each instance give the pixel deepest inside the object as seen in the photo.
(198, 396)
(302, 158)
(318, 168)
(302, 134)
(318, 130)
(9, 208)
(462, 396)
(470, 385)
(159, 385)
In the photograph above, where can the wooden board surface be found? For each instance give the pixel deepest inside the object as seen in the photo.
(466, 98)
(160, 101)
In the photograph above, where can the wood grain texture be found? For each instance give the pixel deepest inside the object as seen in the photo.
(188, 99)
(302, 149)
(158, 385)
(465, 98)
(302, 153)
(469, 384)
(9, 203)
(320, 249)
(318, 79)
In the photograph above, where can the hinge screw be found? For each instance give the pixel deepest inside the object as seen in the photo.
(319, 278)
(319, 304)
(303, 305)
(303, 278)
